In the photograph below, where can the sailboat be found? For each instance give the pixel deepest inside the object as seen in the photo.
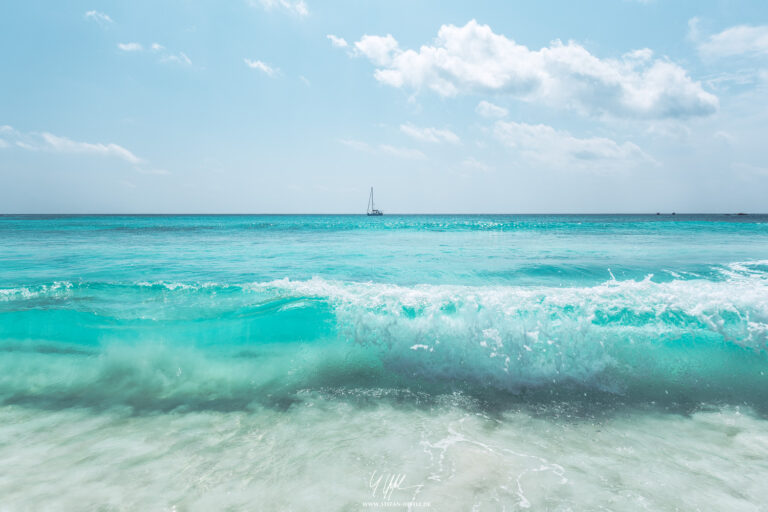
(372, 207)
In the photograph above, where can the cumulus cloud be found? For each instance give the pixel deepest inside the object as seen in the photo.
(98, 17)
(261, 66)
(545, 145)
(488, 109)
(430, 134)
(130, 47)
(56, 144)
(380, 49)
(338, 42)
(296, 7)
(738, 40)
(473, 59)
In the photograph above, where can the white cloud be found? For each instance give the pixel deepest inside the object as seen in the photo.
(487, 109)
(429, 134)
(130, 47)
(64, 145)
(98, 17)
(5, 129)
(545, 145)
(738, 40)
(261, 66)
(473, 59)
(400, 152)
(475, 165)
(412, 154)
(380, 49)
(356, 144)
(725, 79)
(180, 58)
(693, 28)
(338, 42)
(297, 7)
(164, 56)
(56, 144)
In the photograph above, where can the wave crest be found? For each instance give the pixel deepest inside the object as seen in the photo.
(232, 343)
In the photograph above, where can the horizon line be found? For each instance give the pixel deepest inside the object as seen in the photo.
(364, 214)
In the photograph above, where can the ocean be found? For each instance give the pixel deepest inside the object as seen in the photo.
(403, 362)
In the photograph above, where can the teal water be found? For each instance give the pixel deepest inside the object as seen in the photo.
(465, 351)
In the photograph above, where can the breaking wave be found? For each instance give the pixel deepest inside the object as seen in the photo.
(200, 345)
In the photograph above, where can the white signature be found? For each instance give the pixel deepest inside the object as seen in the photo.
(387, 483)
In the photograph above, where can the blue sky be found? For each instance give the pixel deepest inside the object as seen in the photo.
(300, 106)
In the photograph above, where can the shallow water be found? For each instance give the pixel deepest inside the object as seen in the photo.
(486, 362)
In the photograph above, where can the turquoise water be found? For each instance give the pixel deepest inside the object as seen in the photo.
(286, 358)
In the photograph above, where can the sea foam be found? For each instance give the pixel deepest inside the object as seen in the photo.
(228, 345)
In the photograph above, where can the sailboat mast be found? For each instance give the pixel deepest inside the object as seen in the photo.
(372, 206)
(370, 200)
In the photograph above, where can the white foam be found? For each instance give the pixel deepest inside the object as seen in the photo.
(320, 456)
(30, 292)
(513, 336)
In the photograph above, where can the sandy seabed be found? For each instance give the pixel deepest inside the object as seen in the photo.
(326, 453)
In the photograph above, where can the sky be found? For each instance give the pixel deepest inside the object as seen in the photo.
(300, 106)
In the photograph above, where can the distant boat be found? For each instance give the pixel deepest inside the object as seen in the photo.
(372, 207)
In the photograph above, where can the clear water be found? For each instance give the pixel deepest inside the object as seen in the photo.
(278, 362)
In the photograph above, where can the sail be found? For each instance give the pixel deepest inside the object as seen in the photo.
(371, 209)
(370, 202)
